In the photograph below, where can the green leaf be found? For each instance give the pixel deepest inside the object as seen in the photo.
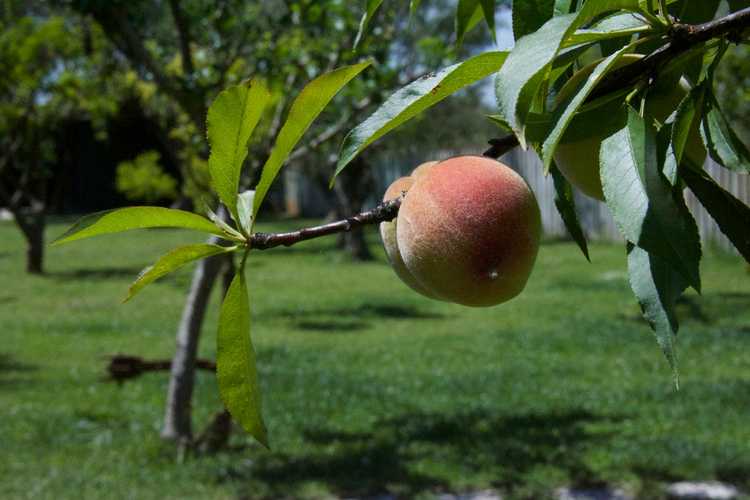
(488, 9)
(723, 144)
(236, 372)
(370, 10)
(500, 122)
(731, 215)
(468, 15)
(125, 219)
(566, 206)
(245, 210)
(519, 78)
(305, 108)
(528, 65)
(566, 110)
(231, 120)
(563, 7)
(687, 120)
(617, 26)
(172, 261)
(409, 101)
(529, 15)
(657, 286)
(644, 206)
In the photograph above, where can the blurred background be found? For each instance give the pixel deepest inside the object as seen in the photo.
(369, 389)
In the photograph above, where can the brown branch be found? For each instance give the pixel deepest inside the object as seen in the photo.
(123, 367)
(384, 212)
(682, 38)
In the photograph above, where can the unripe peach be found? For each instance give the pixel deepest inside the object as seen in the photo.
(388, 235)
(468, 231)
(577, 155)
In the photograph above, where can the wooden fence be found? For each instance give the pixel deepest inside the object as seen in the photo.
(594, 215)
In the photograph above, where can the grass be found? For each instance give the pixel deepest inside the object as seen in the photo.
(368, 387)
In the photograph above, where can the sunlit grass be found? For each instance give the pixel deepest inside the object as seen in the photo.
(369, 387)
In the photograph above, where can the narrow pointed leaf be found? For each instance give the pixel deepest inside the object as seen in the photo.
(687, 120)
(305, 108)
(236, 372)
(566, 206)
(731, 215)
(413, 6)
(245, 210)
(723, 144)
(657, 286)
(488, 9)
(565, 112)
(616, 26)
(529, 15)
(231, 120)
(468, 15)
(172, 261)
(409, 101)
(527, 67)
(647, 210)
(125, 219)
(370, 10)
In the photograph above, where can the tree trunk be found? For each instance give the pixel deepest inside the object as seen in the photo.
(32, 222)
(178, 418)
(352, 187)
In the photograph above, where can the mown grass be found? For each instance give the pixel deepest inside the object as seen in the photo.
(368, 387)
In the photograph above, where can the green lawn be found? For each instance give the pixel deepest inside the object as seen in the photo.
(368, 387)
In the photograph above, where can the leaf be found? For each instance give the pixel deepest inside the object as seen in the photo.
(305, 108)
(468, 15)
(563, 7)
(731, 215)
(236, 372)
(520, 78)
(231, 120)
(723, 144)
(370, 10)
(125, 219)
(616, 26)
(646, 210)
(245, 210)
(657, 286)
(566, 207)
(488, 9)
(414, 98)
(566, 110)
(500, 122)
(687, 120)
(172, 261)
(529, 15)
(523, 70)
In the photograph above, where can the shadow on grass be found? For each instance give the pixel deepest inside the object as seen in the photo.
(13, 372)
(103, 273)
(331, 326)
(368, 310)
(411, 453)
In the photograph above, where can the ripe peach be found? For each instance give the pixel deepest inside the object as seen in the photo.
(388, 235)
(468, 231)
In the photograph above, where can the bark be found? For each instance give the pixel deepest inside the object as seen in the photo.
(32, 223)
(178, 424)
(352, 187)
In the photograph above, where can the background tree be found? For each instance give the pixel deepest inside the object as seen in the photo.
(54, 70)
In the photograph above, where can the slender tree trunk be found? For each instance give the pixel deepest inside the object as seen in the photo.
(178, 416)
(352, 188)
(32, 222)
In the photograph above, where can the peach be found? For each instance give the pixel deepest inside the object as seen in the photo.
(468, 231)
(388, 235)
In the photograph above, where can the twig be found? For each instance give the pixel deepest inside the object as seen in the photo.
(122, 367)
(682, 38)
(384, 212)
